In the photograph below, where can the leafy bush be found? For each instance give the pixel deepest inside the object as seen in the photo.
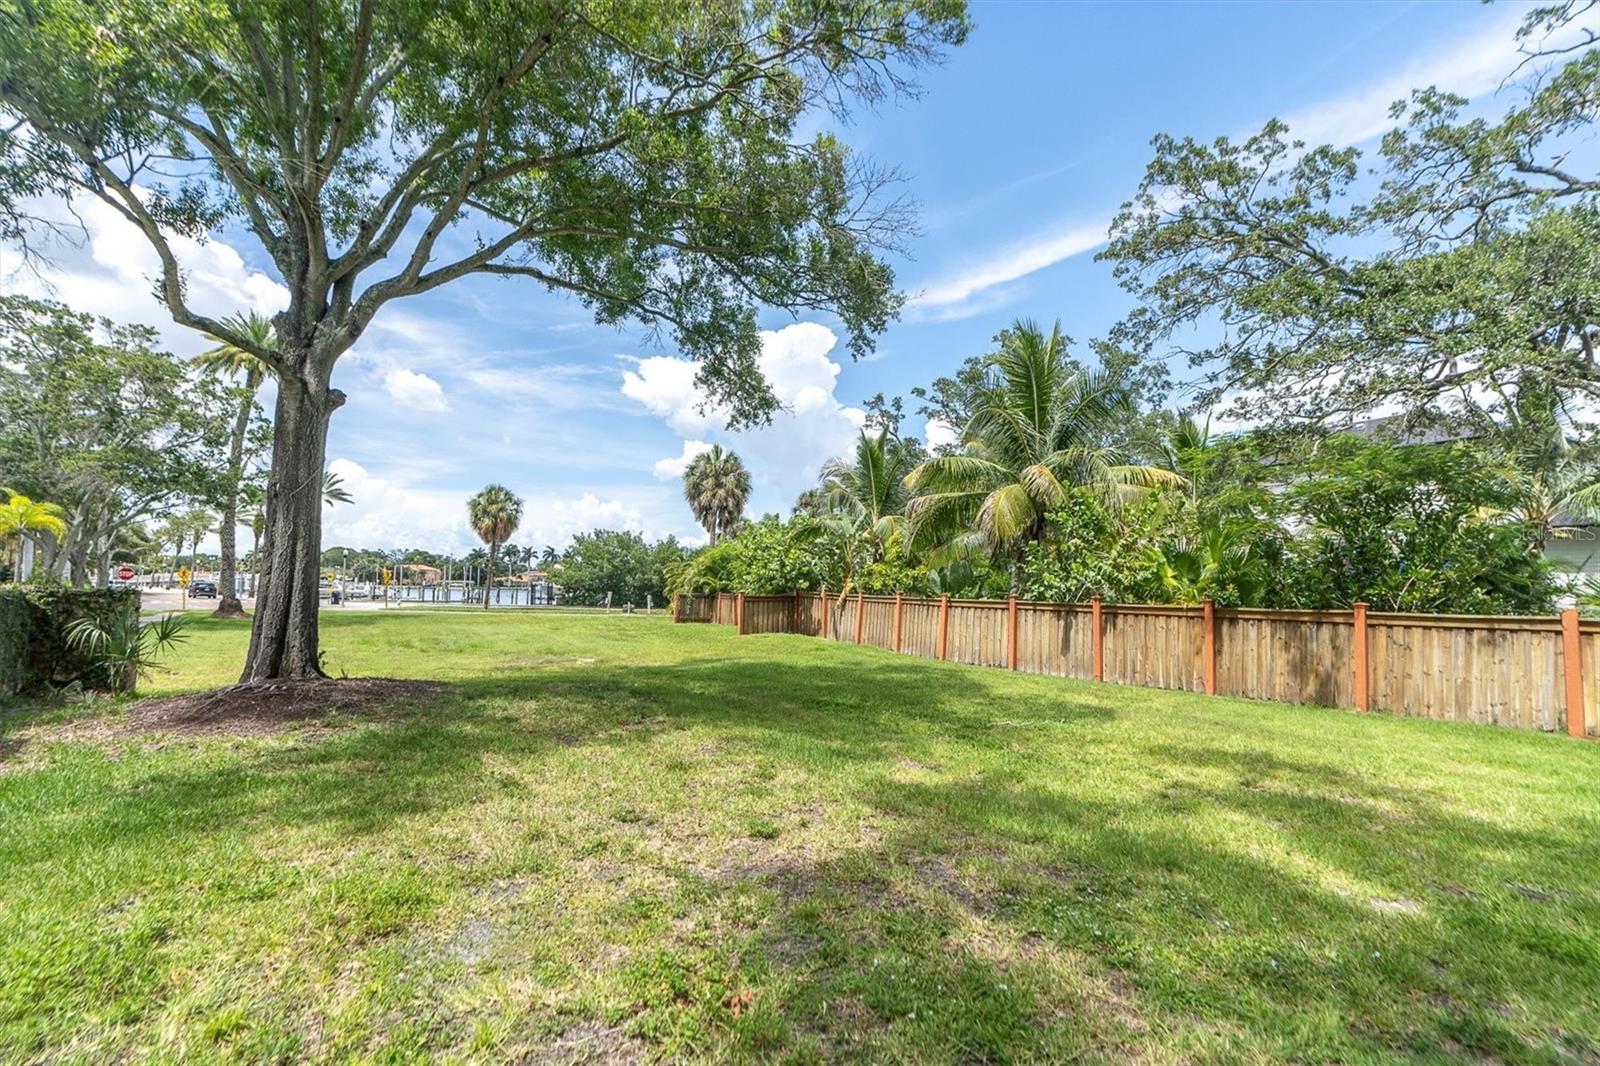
(13, 640)
(619, 563)
(35, 650)
(1411, 528)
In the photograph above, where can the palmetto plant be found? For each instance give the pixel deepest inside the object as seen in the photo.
(232, 361)
(125, 647)
(716, 484)
(1040, 427)
(495, 514)
(20, 517)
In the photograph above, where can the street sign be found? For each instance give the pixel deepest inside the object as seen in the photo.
(388, 577)
(183, 576)
(125, 572)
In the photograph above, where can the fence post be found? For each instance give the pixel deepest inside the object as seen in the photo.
(861, 613)
(1571, 657)
(899, 610)
(676, 597)
(1208, 615)
(1096, 642)
(738, 614)
(825, 612)
(1358, 649)
(944, 623)
(1011, 631)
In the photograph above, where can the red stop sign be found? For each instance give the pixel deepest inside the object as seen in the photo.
(124, 572)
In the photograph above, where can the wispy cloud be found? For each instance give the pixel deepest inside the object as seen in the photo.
(1471, 65)
(960, 295)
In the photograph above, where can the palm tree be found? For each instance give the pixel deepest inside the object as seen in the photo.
(1039, 428)
(333, 490)
(716, 484)
(231, 361)
(495, 514)
(870, 489)
(21, 517)
(196, 524)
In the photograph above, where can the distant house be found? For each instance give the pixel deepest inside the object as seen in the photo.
(540, 588)
(420, 574)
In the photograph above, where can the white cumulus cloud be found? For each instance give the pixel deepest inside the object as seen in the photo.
(784, 457)
(937, 433)
(675, 466)
(113, 272)
(415, 391)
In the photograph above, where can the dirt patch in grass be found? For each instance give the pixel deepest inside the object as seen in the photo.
(592, 1043)
(273, 707)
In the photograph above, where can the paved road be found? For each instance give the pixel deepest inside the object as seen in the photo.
(165, 600)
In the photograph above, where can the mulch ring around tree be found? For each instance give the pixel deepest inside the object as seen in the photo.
(264, 708)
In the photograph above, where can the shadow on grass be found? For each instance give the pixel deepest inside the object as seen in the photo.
(1230, 902)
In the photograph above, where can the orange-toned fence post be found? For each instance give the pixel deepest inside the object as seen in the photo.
(1573, 667)
(944, 624)
(823, 603)
(1358, 652)
(738, 613)
(1011, 632)
(1096, 640)
(677, 599)
(1208, 616)
(899, 612)
(861, 613)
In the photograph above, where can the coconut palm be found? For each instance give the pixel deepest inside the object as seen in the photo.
(495, 514)
(21, 517)
(228, 360)
(1039, 428)
(870, 487)
(716, 484)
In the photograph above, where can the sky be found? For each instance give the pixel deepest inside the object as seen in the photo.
(1018, 151)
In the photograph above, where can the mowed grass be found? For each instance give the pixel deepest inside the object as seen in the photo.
(616, 839)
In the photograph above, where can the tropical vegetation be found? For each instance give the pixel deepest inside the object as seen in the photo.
(716, 485)
(494, 515)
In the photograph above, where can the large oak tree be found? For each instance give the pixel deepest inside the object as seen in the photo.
(1447, 285)
(642, 156)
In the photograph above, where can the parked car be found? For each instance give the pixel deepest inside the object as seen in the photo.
(203, 587)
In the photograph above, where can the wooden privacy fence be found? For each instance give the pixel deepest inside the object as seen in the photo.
(1524, 672)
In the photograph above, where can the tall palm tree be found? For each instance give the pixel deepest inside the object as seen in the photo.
(716, 484)
(1039, 428)
(870, 488)
(21, 517)
(495, 514)
(197, 523)
(230, 361)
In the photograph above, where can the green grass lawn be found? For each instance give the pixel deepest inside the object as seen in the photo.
(618, 839)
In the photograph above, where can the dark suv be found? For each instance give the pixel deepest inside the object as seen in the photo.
(207, 589)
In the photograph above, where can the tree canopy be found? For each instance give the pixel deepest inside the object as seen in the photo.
(1460, 273)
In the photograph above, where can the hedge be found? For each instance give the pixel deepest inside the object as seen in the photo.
(33, 634)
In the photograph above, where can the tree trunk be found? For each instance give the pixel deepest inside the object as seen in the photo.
(488, 581)
(228, 605)
(283, 635)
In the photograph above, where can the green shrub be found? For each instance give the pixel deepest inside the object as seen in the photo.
(13, 640)
(34, 647)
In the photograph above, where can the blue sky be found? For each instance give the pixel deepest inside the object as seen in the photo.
(1018, 151)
